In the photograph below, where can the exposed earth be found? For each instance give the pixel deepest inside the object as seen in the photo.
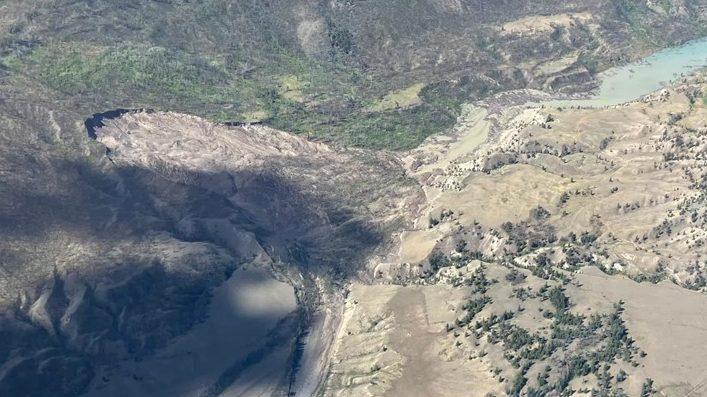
(592, 199)
(344, 198)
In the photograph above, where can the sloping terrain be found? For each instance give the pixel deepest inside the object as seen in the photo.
(622, 187)
(560, 252)
(320, 68)
(486, 329)
(111, 260)
(116, 228)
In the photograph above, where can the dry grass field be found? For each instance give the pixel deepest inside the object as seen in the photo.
(605, 205)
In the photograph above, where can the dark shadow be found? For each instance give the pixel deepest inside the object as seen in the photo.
(96, 121)
(131, 308)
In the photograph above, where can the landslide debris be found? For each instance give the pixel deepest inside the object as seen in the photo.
(109, 259)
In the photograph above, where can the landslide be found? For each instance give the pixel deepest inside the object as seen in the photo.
(109, 256)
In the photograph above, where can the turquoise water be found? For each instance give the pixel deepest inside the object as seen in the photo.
(629, 82)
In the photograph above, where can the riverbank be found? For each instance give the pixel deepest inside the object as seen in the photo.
(629, 82)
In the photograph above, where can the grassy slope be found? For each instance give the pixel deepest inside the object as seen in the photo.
(231, 61)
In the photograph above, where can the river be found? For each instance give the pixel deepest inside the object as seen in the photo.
(629, 82)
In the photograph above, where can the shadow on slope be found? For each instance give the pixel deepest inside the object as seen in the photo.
(112, 263)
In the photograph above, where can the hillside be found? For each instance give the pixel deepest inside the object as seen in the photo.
(562, 254)
(321, 68)
(296, 166)
(110, 261)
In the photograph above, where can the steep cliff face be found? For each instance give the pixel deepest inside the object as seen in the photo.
(176, 205)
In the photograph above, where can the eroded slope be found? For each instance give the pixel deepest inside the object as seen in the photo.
(126, 258)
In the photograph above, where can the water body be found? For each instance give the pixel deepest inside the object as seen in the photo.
(630, 82)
